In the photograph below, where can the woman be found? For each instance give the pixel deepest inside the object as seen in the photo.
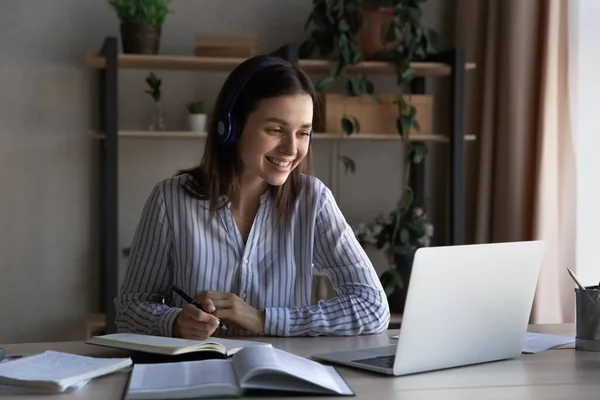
(241, 231)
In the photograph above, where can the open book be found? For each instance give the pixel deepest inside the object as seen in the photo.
(54, 371)
(261, 369)
(172, 346)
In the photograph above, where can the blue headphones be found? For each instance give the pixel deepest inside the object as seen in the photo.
(229, 129)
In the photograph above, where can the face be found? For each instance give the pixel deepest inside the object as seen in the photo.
(275, 138)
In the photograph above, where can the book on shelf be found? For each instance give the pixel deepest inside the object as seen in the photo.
(151, 348)
(252, 370)
(55, 372)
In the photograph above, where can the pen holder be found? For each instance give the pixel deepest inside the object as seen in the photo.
(587, 304)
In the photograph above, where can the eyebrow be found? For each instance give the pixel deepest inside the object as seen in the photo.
(285, 123)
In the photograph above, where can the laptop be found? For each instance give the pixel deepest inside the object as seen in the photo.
(465, 305)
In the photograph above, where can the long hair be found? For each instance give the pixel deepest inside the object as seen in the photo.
(219, 172)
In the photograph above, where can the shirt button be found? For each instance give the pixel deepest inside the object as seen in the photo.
(245, 261)
(242, 295)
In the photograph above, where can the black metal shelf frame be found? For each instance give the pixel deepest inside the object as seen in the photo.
(108, 123)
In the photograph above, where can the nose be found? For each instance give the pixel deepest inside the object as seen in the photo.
(288, 145)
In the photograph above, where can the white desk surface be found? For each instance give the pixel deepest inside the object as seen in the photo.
(562, 373)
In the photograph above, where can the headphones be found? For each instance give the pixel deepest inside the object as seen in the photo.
(229, 129)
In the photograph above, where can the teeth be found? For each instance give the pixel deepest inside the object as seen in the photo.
(279, 162)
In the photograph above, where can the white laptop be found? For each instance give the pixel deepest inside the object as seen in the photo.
(465, 305)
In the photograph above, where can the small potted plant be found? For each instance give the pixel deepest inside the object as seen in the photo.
(399, 234)
(154, 90)
(141, 24)
(196, 116)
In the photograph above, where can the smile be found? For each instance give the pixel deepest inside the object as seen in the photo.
(279, 163)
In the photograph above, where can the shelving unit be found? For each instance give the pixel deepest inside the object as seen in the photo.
(108, 62)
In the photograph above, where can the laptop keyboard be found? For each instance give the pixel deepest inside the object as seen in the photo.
(381, 361)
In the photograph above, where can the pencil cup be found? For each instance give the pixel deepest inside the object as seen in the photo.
(587, 304)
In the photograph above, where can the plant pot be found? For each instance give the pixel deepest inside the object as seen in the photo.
(397, 299)
(587, 304)
(197, 122)
(140, 38)
(369, 35)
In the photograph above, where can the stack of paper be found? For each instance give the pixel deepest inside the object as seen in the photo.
(55, 372)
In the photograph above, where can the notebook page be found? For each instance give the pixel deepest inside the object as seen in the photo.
(251, 360)
(149, 340)
(206, 376)
(56, 369)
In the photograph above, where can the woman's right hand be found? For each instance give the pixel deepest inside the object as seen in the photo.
(192, 323)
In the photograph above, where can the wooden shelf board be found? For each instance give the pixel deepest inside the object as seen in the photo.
(317, 136)
(182, 62)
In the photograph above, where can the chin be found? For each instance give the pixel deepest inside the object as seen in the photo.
(276, 180)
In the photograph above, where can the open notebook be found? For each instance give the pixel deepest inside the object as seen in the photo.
(172, 346)
(262, 369)
(54, 371)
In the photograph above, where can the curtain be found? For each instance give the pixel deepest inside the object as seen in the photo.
(520, 170)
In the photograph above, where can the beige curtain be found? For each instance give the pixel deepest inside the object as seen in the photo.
(521, 173)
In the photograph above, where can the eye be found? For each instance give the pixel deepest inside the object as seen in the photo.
(274, 131)
(304, 133)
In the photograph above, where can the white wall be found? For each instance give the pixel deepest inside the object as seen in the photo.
(587, 55)
(48, 165)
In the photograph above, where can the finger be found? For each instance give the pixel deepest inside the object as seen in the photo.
(218, 295)
(196, 314)
(196, 327)
(222, 304)
(205, 302)
(226, 314)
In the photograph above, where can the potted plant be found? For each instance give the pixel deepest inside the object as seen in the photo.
(154, 90)
(337, 29)
(399, 235)
(141, 24)
(196, 116)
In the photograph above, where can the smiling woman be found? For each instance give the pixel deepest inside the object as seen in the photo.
(242, 230)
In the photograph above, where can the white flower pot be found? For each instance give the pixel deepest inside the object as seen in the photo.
(197, 122)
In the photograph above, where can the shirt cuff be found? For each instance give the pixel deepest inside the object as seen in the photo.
(166, 320)
(277, 321)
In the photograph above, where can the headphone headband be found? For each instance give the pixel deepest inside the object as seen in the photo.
(228, 129)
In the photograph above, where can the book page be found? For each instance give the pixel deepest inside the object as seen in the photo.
(190, 378)
(136, 341)
(56, 369)
(233, 346)
(259, 367)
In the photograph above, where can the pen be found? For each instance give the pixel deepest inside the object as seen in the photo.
(187, 298)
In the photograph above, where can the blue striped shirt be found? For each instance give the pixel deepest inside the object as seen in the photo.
(176, 243)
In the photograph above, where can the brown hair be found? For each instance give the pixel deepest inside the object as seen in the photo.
(219, 171)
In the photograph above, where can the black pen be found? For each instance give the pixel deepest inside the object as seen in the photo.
(187, 298)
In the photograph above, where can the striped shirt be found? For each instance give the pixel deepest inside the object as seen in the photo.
(175, 243)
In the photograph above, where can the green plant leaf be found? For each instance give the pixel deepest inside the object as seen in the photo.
(349, 89)
(324, 83)
(349, 164)
(415, 125)
(404, 236)
(356, 124)
(414, 13)
(390, 280)
(419, 151)
(403, 125)
(388, 31)
(347, 126)
(343, 26)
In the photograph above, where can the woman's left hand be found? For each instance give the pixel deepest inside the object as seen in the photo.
(230, 308)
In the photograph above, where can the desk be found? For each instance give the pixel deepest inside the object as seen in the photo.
(555, 374)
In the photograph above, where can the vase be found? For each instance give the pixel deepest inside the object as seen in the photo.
(197, 122)
(397, 299)
(140, 38)
(157, 122)
(369, 35)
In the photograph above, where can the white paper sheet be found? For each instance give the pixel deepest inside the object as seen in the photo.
(537, 342)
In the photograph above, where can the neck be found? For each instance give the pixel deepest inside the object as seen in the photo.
(247, 202)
